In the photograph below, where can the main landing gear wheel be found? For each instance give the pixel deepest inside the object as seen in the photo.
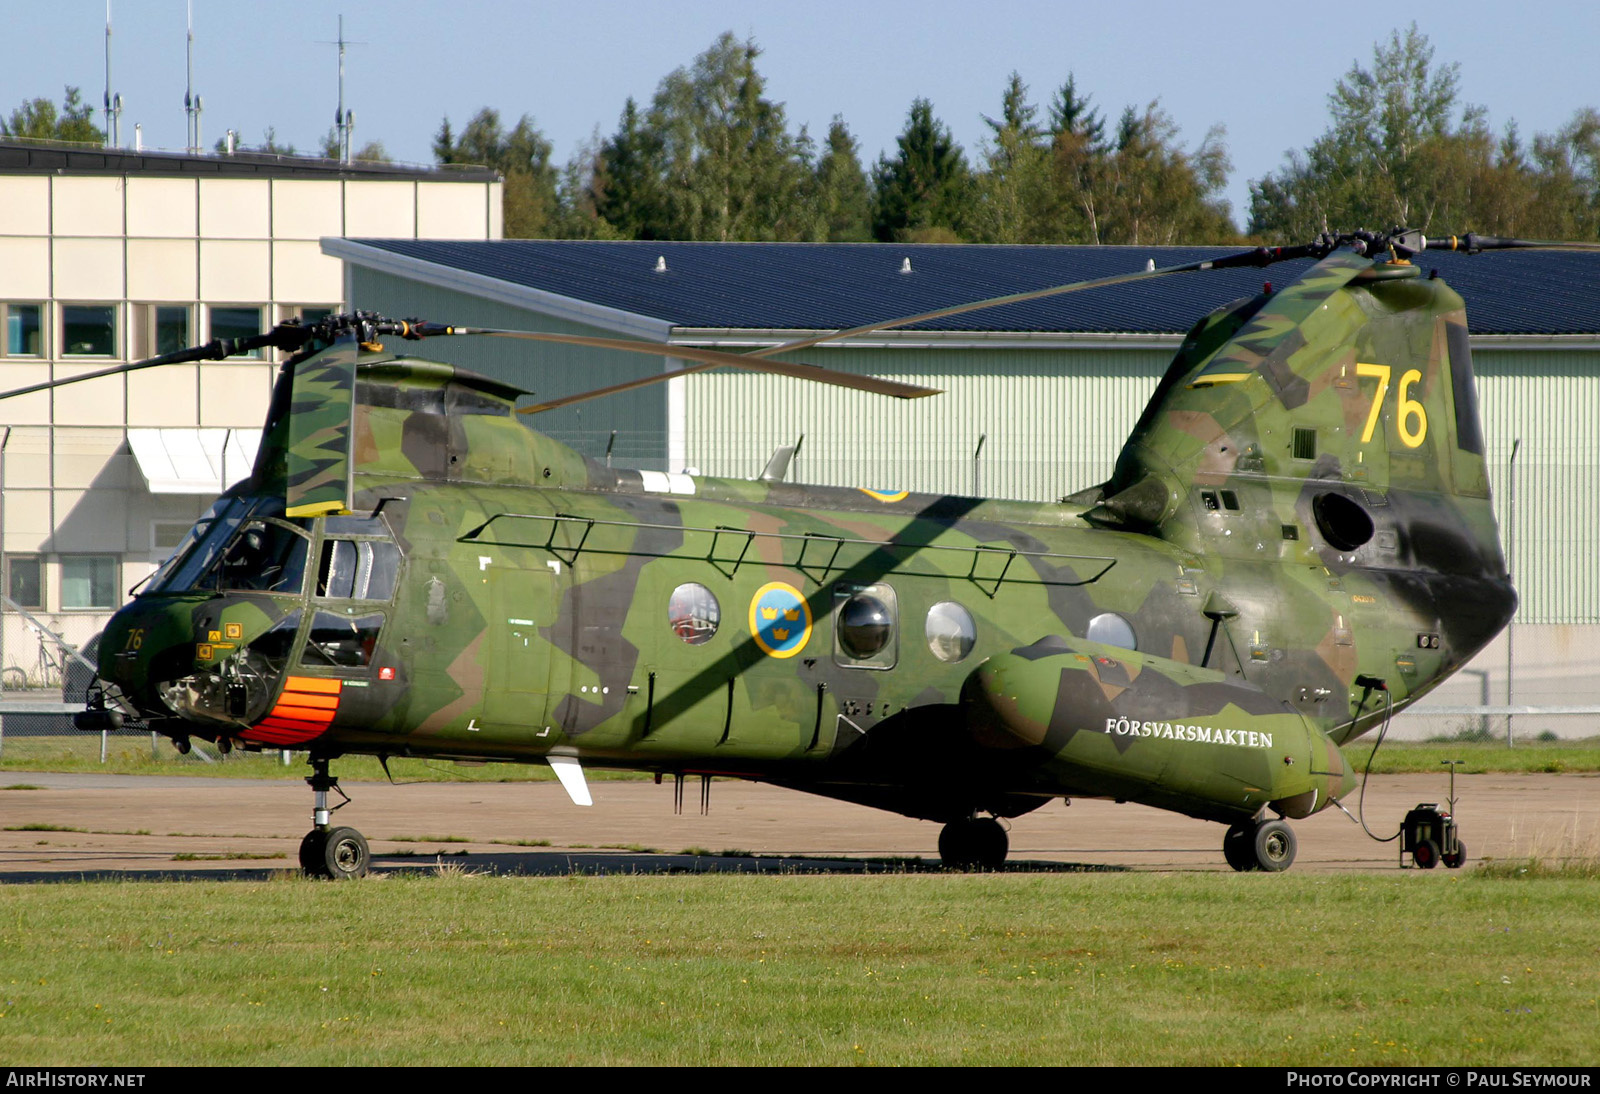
(339, 853)
(1259, 845)
(974, 843)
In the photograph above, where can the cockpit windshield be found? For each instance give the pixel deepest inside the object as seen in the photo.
(201, 546)
(239, 546)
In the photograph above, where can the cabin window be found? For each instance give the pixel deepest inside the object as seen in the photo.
(951, 631)
(693, 613)
(363, 569)
(1111, 629)
(864, 626)
(342, 641)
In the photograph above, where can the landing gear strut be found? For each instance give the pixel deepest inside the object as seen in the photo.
(1259, 845)
(326, 851)
(973, 843)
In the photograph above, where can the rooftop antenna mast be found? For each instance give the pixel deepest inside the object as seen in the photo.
(192, 106)
(344, 121)
(113, 101)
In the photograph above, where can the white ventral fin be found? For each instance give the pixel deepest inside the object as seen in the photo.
(570, 772)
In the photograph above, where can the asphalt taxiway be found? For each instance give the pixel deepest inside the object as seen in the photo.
(90, 825)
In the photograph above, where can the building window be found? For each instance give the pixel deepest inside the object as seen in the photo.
(24, 336)
(308, 313)
(88, 330)
(25, 581)
(236, 322)
(88, 581)
(162, 329)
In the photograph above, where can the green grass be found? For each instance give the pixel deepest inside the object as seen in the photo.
(1399, 969)
(1423, 757)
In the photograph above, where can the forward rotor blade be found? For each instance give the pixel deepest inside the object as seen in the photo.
(1472, 244)
(215, 350)
(707, 358)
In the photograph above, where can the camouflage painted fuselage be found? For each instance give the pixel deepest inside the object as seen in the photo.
(1301, 513)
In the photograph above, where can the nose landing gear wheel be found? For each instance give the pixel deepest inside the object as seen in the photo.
(327, 851)
(339, 853)
(1259, 845)
(974, 843)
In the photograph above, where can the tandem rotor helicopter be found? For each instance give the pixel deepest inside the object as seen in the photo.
(1296, 541)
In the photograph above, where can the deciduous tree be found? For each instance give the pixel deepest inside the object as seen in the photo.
(522, 156)
(38, 119)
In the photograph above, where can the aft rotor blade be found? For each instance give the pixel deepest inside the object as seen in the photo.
(215, 350)
(1261, 256)
(707, 359)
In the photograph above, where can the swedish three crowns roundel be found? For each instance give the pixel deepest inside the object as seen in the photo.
(780, 620)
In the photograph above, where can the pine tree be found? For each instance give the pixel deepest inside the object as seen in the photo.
(920, 195)
(626, 188)
(1011, 194)
(844, 204)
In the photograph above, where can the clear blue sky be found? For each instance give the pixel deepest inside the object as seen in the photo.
(1262, 70)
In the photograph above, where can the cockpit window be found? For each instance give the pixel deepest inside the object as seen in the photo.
(268, 555)
(342, 641)
(358, 569)
(205, 541)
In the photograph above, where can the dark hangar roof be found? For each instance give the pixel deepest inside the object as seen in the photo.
(821, 286)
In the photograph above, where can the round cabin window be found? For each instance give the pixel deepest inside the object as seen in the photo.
(951, 631)
(865, 624)
(1111, 629)
(693, 613)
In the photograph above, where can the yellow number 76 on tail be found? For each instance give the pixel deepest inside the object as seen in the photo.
(1410, 409)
